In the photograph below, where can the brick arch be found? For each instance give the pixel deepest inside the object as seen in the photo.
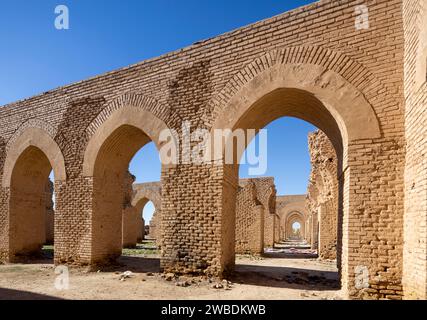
(121, 130)
(284, 216)
(30, 137)
(31, 155)
(144, 193)
(290, 218)
(31, 123)
(421, 69)
(128, 111)
(136, 100)
(142, 196)
(331, 77)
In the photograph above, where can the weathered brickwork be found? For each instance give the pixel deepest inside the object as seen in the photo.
(249, 220)
(323, 193)
(50, 213)
(415, 218)
(255, 201)
(131, 220)
(311, 63)
(255, 205)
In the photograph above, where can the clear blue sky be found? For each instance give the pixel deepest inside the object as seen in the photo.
(108, 34)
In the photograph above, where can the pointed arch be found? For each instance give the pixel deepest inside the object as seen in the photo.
(36, 138)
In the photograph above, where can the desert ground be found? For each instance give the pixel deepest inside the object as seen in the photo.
(278, 274)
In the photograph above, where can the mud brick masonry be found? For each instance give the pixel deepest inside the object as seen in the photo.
(134, 224)
(322, 199)
(364, 88)
(255, 204)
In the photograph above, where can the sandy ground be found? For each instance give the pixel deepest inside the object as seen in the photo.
(275, 276)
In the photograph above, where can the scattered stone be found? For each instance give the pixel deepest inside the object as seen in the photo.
(183, 284)
(169, 276)
(125, 275)
(218, 286)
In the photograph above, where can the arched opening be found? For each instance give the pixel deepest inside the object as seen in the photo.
(146, 168)
(296, 229)
(147, 222)
(116, 222)
(312, 89)
(48, 247)
(33, 159)
(264, 110)
(291, 170)
(27, 202)
(148, 213)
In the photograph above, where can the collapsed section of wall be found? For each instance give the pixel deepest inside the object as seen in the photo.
(322, 198)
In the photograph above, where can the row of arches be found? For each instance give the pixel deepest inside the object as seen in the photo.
(309, 92)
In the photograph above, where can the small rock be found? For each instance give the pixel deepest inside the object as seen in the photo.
(218, 286)
(125, 275)
(183, 284)
(169, 276)
(150, 274)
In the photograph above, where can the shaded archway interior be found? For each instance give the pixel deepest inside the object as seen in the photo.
(284, 102)
(111, 165)
(28, 200)
(291, 219)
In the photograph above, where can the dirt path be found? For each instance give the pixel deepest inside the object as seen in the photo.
(266, 278)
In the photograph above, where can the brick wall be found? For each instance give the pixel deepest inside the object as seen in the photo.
(318, 43)
(415, 236)
(131, 220)
(50, 213)
(323, 193)
(255, 215)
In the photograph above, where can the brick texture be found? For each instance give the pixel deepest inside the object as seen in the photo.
(350, 83)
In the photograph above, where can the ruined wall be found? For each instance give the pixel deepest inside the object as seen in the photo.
(415, 236)
(254, 203)
(131, 217)
(155, 227)
(249, 219)
(323, 193)
(50, 213)
(266, 195)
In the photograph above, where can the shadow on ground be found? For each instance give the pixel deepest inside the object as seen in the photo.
(10, 294)
(284, 255)
(285, 277)
(134, 264)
